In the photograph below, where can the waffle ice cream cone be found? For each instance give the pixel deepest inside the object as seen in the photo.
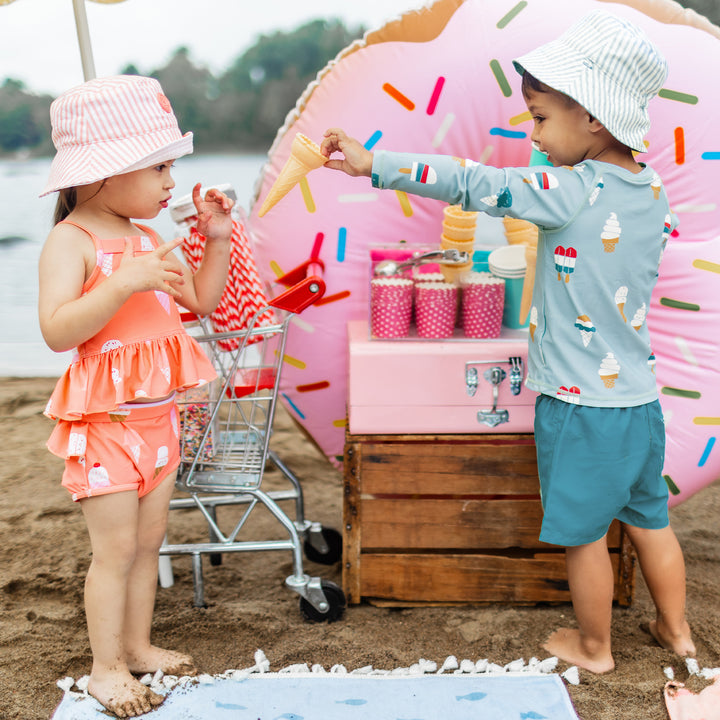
(447, 243)
(458, 232)
(455, 215)
(529, 282)
(305, 156)
(520, 232)
(455, 273)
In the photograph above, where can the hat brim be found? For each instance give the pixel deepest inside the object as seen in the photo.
(82, 165)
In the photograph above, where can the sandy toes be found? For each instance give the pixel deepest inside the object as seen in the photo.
(155, 658)
(123, 695)
(680, 644)
(567, 644)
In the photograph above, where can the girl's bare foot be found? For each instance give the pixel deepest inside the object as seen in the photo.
(154, 658)
(122, 694)
(680, 643)
(571, 647)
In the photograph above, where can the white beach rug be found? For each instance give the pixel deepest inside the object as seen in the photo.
(461, 691)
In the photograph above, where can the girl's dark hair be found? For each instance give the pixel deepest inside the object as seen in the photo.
(67, 199)
(67, 202)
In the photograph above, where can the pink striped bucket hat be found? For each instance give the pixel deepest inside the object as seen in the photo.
(110, 126)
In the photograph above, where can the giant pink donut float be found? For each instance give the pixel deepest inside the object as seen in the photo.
(441, 80)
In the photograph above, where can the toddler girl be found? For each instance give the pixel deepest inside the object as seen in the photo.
(108, 287)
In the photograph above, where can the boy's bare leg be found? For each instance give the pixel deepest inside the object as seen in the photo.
(590, 577)
(663, 567)
(140, 654)
(112, 524)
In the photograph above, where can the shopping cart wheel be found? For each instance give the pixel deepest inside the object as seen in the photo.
(325, 550)
(336, 604)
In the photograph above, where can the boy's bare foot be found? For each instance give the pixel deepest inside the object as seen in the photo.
(569, 646)
(123, 695)
(680, 643)
(154, 658)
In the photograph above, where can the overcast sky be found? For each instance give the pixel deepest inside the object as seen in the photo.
(39, 45)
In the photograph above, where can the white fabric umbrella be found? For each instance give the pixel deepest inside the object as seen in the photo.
(83, 33)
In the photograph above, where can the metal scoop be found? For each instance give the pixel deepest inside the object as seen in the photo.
(451, 256)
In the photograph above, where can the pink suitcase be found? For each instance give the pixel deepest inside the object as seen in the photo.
(438, 386)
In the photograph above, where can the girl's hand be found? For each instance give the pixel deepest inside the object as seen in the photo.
(151, 271)
(213, 213)
(357, 161)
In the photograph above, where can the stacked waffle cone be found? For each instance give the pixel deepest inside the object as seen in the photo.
(522, 232)
(305, 156)
(458, 233)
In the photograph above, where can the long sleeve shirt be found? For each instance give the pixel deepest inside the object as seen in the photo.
(602, 233)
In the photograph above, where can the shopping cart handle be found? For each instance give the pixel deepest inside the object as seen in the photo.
(300, 295)
(306, 269)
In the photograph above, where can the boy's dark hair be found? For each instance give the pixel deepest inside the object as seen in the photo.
(531, 83)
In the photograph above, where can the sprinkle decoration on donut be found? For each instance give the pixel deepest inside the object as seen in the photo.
(440, 80)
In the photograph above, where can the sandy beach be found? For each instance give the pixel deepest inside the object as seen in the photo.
(46, 555)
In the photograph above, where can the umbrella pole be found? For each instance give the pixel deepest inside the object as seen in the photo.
(83, 33)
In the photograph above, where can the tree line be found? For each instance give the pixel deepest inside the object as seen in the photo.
(241, 110)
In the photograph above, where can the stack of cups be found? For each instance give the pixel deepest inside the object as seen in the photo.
(435, 309)
(459, 233)
(391, 302)
(508, 262)
(483, 302)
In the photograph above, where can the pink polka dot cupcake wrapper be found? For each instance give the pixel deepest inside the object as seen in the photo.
(435, 310)
(391, 302)
(482, 308)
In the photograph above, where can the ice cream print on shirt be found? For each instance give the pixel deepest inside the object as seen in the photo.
(587, 330)
(421, 173)
(611, 233)
(542, 181)
(565, 262)
(596, 191)
(620, 299)
(570, 395)
(609, 370)
(656, 186)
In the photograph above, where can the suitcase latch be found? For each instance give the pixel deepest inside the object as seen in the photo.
(493, 418)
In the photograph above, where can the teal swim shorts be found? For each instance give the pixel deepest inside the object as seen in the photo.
(597, 464)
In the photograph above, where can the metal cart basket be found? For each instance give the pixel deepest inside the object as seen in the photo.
(225, 431)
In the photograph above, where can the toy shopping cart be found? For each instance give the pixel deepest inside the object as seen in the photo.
(225, 434)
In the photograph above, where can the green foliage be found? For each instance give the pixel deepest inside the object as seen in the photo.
(23, 118)
(239, 111)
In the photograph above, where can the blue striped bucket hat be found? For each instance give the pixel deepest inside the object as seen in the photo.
(607, 65)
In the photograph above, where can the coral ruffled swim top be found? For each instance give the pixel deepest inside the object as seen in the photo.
(143, 352)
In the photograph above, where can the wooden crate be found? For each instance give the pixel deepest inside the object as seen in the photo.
(454, 519)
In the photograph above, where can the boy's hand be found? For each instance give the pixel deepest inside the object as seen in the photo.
(213, 213)
(357, 161)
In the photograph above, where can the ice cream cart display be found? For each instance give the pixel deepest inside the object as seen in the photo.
(441, 492)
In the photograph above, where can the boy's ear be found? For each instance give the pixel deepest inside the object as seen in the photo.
(594, 125)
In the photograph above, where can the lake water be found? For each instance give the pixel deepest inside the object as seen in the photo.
(23, 215)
